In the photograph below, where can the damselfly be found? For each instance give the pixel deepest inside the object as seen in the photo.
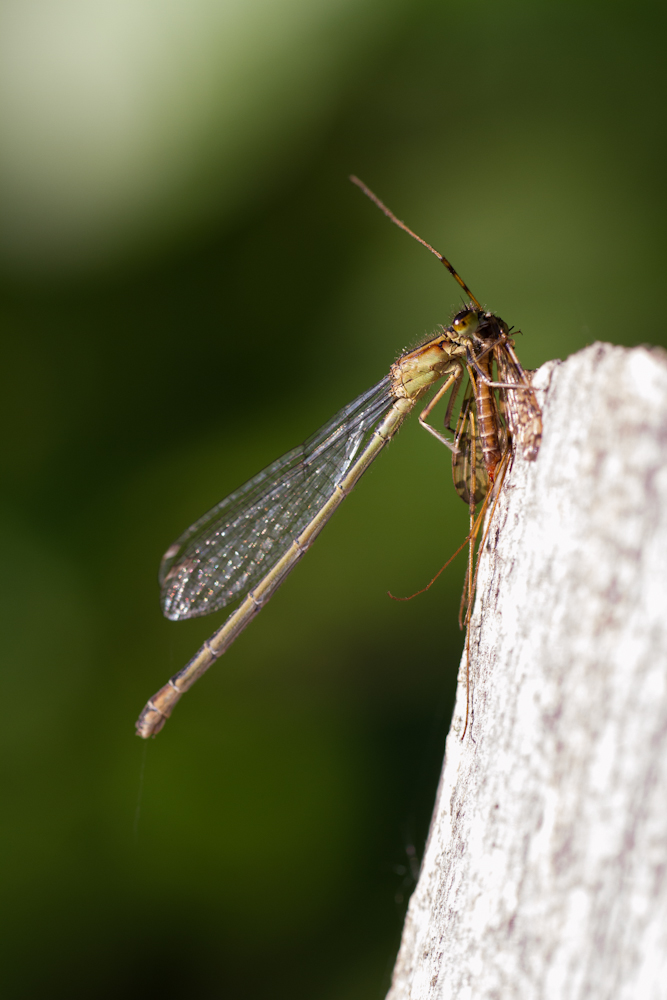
(246, 545)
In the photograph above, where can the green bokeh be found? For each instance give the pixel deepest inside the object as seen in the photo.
(260, 846)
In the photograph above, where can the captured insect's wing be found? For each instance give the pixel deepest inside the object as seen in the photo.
(468, 469)
(521, 409)
(470, 472)
(227, 551)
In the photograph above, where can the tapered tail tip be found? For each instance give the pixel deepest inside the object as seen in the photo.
(149, 723)
(157, 711)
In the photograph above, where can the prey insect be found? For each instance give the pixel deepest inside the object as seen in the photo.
(247, 545)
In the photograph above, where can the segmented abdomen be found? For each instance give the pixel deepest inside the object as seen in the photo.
(487, 419)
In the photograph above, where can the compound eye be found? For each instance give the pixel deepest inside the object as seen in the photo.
(465, 322)
(462, 320)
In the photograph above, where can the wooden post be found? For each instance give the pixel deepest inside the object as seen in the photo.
(545, 873)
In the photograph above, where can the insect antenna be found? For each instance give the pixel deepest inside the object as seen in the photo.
(406, 229)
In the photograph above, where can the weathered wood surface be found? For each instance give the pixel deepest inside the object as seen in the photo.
(545, 875)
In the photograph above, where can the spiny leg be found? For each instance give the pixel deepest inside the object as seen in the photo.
(453, 383)
(472, 361)
(447, 422)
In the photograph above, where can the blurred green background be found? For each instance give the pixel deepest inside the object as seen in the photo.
(190, 286)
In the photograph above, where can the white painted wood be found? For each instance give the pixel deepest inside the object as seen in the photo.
(545, 875)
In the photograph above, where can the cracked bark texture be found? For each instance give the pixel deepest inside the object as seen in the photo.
(545, 873)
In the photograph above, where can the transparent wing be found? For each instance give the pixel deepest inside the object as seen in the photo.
(227, 551)
(468, 469)
(521, 409)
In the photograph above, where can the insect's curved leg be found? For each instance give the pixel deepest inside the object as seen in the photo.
(453, 383)
(472, 361)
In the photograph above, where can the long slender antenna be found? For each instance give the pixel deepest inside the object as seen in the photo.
(406, 229)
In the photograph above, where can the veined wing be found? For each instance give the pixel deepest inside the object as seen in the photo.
(521, 409)
(468, 469)
(228, 550)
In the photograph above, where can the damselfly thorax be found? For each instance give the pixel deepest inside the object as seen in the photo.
(245, 547)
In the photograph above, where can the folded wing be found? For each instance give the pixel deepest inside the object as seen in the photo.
(228, 550)
(521, 409)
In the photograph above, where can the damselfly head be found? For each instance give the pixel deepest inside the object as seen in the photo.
(477, 325)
